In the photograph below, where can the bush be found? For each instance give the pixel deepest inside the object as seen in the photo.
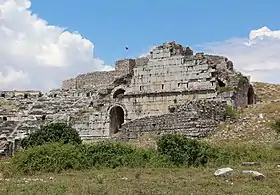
(54, 132)
(173, 150)
(56, 157)
(276, 126)
(230, 111)
(182, 150)
(236, 152)
(52, 157)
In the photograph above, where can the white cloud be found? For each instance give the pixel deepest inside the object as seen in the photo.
(36, 55)
(256, 55)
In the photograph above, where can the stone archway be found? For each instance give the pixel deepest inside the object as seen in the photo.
(250, 95)
(116, 119)
(118, 93)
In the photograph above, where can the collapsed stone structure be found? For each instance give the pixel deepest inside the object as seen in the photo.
(172, 90)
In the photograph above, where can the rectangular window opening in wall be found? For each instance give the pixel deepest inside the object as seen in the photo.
(187, 85)
(141, 88)
(179, 84)
(3, 95)
(5, 118)
(162, 86)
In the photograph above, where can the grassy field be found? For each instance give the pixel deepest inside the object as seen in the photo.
(145, 181)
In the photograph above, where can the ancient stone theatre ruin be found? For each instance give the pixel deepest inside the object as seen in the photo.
(172, 90)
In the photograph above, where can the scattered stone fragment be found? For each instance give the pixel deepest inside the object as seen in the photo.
(256, 175)
(224, 172)
(251, 164)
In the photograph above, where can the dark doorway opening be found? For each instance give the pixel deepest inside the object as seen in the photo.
(25, 96)
(3, 95)
(221, 83)
(119, 93)
(250, 95)
(116, 119)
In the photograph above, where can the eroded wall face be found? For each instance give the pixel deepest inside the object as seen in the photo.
(99, 79)
(195, 119)
(173, 74)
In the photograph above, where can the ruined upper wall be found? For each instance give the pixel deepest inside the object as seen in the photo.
(22, 94)
(170, 49)
(100, 79)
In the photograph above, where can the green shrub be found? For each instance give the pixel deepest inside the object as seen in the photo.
(276, 126)
(56, 157)
(54, 132)
(182, 150)
(173, 151)
(236, 153)
(53, 157)
(230, 111)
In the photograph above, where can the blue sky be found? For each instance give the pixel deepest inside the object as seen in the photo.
(37, 52)
(111, 25)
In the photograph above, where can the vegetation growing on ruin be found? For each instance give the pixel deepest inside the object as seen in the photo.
(53, 132)
(9, 105)
(276, 126)
(230, 112)
(225, 89)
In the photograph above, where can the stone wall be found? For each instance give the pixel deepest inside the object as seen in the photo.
(194, 119)
(100, 79)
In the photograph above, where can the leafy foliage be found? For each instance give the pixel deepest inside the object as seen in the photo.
(172, 151)
(276, 126)
(54, 132)
(182, 150)
(230, 111)
(56, 157)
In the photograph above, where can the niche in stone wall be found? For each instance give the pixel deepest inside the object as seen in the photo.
(43, 117)
(5, 118)
(250, 95)
(221, 83)
(25, 95)
(3, 95)
(118, 93)
(116, 119)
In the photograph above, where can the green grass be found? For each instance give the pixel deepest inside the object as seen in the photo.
(144, 181)
(148, 180)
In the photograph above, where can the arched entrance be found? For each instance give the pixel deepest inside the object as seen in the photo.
(116, 119)
(118, 93)
(250, 95)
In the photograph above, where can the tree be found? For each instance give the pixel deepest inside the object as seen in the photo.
(53, 132)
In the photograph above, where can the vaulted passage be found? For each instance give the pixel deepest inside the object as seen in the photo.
(116, 119)
(250, 95)
(118, 93)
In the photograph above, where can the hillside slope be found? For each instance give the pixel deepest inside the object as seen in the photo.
(254, 122)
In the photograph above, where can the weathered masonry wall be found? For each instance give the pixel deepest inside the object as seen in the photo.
(97, 80)
(173, 74)
(158, 103)
(195, 119)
